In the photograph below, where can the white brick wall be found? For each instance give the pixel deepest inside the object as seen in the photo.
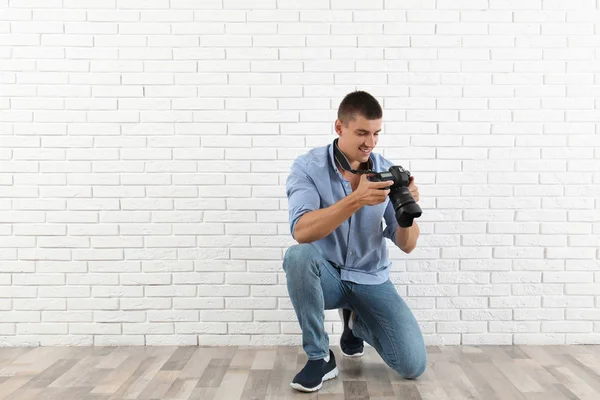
(145, 144)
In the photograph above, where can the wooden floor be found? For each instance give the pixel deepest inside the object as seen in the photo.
(229, 373)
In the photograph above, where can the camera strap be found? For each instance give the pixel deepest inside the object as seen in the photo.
(343, 161)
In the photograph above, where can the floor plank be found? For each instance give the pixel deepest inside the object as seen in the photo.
(265, 373)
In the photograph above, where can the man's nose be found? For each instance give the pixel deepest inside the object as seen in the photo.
(370, 141)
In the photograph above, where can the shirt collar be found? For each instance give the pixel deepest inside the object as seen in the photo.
(334, 165)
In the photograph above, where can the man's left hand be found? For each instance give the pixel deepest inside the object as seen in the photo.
(414, 189)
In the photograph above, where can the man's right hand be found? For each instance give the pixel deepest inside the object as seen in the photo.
(370, 193)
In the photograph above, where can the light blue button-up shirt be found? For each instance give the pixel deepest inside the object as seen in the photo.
(357, 246)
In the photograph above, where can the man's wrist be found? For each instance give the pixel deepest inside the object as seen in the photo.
(354, 201)
(406, 238)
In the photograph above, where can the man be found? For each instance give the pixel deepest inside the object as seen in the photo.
(341, 260)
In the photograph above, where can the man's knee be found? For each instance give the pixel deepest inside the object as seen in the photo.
(412, 365)
(298, 255)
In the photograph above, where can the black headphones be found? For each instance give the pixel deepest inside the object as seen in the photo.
(343, 161)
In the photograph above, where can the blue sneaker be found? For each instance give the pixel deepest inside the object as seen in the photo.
(314, 373)
(351, 345)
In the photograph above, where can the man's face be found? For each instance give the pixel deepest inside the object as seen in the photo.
(359, 138)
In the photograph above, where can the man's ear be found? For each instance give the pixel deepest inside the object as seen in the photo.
(338, 127)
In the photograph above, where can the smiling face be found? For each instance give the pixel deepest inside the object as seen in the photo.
(357, 138)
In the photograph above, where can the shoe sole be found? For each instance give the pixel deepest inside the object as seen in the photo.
(330, 375)
(353, 355)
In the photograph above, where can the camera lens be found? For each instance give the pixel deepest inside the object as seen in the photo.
(405, 206)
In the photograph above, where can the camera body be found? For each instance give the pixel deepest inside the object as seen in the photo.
(405, 207)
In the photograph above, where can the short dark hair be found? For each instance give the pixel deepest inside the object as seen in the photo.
(359, 102)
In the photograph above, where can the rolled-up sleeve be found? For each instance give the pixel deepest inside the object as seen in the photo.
(391, 224)
(302, 194)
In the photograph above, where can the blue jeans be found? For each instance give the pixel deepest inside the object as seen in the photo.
(382, 317)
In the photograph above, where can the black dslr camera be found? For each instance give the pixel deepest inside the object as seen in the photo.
(404, 204)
